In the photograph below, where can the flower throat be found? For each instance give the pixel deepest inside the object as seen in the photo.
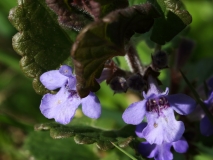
(157, 104)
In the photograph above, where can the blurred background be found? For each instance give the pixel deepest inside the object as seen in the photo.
(19, 104)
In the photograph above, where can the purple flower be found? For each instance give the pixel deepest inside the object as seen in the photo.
(62, 105)
(206, 127)
(160, 152)
(158, 108)
(198, 113)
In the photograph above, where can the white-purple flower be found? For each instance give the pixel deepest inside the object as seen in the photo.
(158, 107)
(62, 105)
(206, 127)
(160, 152)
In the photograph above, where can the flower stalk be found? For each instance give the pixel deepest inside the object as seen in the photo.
(133, 60)
(197, 97)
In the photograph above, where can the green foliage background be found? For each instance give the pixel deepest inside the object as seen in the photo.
(19, 104)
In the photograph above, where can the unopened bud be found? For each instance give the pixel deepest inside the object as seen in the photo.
(118, 84)
(136, 82)
(159, 60)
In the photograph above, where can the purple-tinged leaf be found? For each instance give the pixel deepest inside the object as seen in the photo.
(68, 15)
(105, 39)
(77, 14)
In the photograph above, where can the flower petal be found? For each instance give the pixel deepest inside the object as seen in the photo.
(53, 79)
(209, 101)
(139, 129)
(91, 106)
(154, 89)
(181, 145)
(147, 150)
(134, 114)
(66, 71)
(206, 127)
(181, 103)
(163, 128)
(72, 83)
(163, 152)
(105, 74)
(154, 92)
(159, 152)
(60, 106)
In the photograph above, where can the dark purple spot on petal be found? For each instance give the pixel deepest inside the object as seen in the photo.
(73, 94)
(157, 104)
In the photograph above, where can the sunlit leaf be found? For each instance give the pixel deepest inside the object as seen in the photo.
(40, 41)
(105, 39)
(88, 135)
(172, 21)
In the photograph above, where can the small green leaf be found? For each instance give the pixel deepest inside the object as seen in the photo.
(104, 145)
(172, 21)
(89, 135)
(124, 142)
(46, 126)
(79, 139)
(40, 41)
(197, 97)
(107, 38)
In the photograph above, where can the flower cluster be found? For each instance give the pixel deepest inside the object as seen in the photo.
(162, 129)
(62, 105)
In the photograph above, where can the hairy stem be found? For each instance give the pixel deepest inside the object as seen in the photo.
(133, 60)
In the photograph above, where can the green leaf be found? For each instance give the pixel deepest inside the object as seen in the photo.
(40, 41)
(172, 21)
(197, 97)
(107, 38)
(43, 147)
(88, 135)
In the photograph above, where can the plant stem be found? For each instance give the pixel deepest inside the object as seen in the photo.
(197, 97)
(157, 47)
(133, 60)
(130, 156)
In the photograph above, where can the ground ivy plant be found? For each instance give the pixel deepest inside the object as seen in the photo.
(70, 47)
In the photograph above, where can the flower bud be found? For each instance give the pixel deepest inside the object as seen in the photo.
(159, 60)
(136, 82)
(118, 84)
